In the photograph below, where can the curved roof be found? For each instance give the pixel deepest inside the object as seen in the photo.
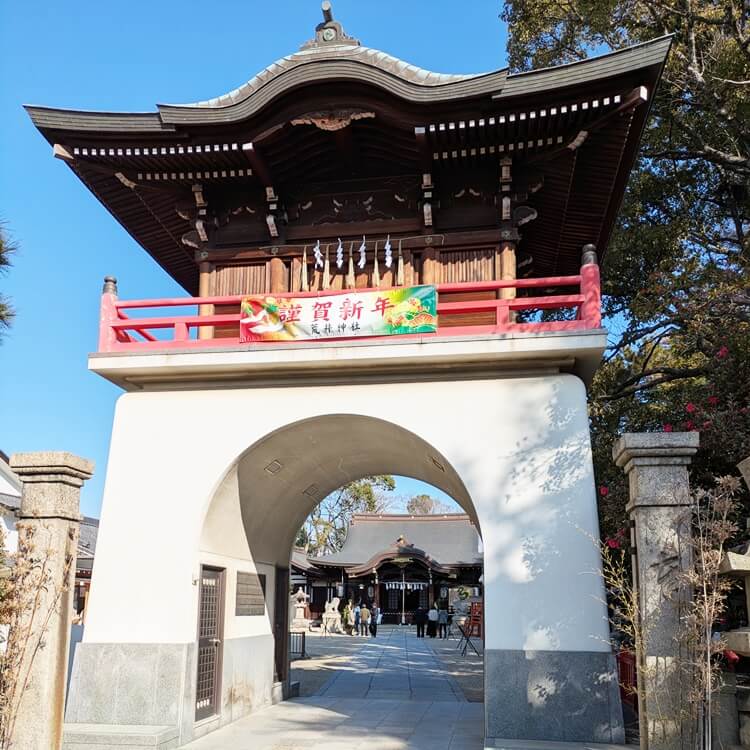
(450, 539)
(576, 126)
(345, 59)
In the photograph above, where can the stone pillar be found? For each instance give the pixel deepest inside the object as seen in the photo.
(48, 529)
(744, 467)
(657, 468)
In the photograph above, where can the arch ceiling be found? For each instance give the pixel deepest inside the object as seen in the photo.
(286, 474)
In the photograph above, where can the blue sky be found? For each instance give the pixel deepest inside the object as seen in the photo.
(128, 56)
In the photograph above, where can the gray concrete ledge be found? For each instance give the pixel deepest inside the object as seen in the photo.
(119, 737)
(578, 352)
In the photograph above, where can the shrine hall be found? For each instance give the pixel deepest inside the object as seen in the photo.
(398, 563)
(387, 270)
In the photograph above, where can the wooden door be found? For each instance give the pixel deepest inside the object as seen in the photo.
(210, 637)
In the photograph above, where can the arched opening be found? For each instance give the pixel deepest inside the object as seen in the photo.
(248, 538)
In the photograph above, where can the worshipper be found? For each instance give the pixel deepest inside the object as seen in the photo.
(375, 617)
(420, 618)
(357, 614)
(432, 620)
(443, 623)
(364, 620)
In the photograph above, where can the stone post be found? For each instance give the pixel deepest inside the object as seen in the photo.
(657, 468)
(48, 529)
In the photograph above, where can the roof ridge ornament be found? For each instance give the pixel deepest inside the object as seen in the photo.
(329, 32)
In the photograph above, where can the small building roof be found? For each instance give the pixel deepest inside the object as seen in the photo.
(450, 540)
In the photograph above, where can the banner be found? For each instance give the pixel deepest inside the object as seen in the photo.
(391, 312)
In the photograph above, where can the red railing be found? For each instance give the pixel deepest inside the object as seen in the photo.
(118, 332)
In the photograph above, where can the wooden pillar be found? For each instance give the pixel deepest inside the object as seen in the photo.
(278, 276)
(507, 267)
(204, 290)
(429, 273)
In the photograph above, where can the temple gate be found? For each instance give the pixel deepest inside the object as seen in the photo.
(397, 273)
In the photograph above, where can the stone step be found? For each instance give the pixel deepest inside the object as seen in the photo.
(119, 737)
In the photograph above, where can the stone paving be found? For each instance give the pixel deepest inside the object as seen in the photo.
(389, 693)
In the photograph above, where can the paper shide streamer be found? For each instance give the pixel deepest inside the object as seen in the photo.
(318, 255)
(339, 255)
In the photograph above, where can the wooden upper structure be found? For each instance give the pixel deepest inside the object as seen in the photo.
(338, 140)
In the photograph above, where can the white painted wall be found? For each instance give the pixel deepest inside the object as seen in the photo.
(10, 533)
(520, 445)
(224, 545)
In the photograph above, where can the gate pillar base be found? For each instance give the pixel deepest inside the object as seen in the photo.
(551, 696)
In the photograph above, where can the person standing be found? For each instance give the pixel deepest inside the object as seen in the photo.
(443, 623)
(420, 618)
(364, 620)
(432, 619)
(374, 620)
(357, 612)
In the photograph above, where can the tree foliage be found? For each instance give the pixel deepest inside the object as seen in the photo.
(425, 505)
(324, 530)
(675, 277)
(7, 248)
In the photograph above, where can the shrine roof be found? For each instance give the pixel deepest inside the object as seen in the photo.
(363, 65)
(450, 539)
(337, 112)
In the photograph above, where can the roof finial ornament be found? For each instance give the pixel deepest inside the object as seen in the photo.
(329, 32)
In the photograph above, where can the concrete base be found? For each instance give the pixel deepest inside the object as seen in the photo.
(139, 684)
(106, 736)
(136, 685)
(539, 745)
(558, 696)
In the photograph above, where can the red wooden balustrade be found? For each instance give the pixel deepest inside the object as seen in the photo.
(119, 333)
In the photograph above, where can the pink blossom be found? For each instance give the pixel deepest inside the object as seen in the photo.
(613, 543)
(713, 400)
(667, 428)
(690, 425)
(690, 407)
(723, 352)
(604, 491)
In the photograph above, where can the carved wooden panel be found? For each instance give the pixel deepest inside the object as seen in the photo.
(251, 595)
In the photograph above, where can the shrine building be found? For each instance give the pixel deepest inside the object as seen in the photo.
(398, 562)
(386, 270)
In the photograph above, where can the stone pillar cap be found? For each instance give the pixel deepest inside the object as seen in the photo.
(655, 448)
(744, 467)
(52, 466)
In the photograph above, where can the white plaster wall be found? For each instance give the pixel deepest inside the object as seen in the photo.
(520, 445)
(9, 531)
(224, 545)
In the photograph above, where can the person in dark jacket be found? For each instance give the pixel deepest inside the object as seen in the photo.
(420, 620)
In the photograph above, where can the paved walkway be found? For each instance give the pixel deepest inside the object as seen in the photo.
(395, 666)
(389, 693)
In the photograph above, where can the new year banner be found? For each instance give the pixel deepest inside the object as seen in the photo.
(391, 312)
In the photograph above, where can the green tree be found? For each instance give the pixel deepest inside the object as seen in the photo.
(425, 505)
(324, 530)
(421, 505)
(7, 248)
(675, 276)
